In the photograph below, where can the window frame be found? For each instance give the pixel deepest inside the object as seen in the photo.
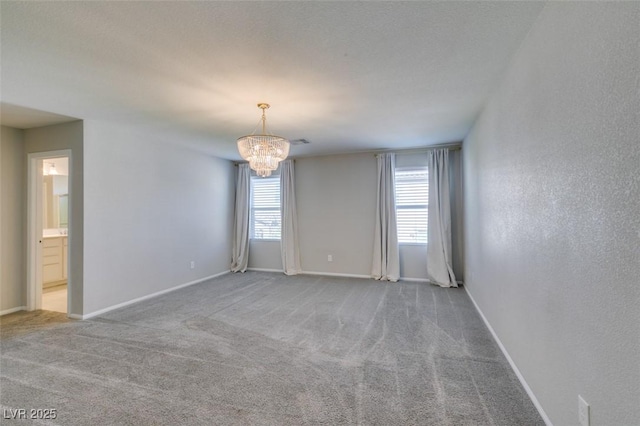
(253, 209)
(421, 169)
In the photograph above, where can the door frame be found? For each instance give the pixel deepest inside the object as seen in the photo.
(34, 227)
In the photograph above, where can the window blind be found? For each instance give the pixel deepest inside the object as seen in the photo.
(265, 208)
(412, 201)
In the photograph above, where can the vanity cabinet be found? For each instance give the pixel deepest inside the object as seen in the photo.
(65, 250)
(54, 261)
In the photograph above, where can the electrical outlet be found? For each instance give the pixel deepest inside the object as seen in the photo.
(193, 264)
(330, 258)
(583, 412)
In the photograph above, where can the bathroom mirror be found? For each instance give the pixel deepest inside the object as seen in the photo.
(63, 211)
(55, 199)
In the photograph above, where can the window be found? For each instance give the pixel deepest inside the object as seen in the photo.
(412, 201)
(265, 208)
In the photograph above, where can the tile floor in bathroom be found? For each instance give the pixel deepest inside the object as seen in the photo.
(55, 298)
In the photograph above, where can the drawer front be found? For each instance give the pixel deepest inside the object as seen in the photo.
(51, 242)
(51, 272)
(51, 251)
(50, 260)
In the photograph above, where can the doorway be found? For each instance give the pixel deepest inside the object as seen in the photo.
(49, 231)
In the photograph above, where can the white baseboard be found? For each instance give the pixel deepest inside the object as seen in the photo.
(333, 274)
(140, 299)
(265, 270)
(327, 274)
(12, 310)
(524, 383)
(423, 280)
(336, 274)
(414, 280)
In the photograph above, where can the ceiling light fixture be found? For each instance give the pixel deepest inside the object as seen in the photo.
(52, 170)
(264, 151)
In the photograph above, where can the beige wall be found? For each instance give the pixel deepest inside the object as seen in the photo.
(552, 186)
(16, 144)
(58, 137)
(12, 223)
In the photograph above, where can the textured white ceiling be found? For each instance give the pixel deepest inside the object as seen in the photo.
(26, 118)
(345, 75)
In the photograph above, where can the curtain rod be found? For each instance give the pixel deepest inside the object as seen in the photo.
(457, 146)
(450, 147)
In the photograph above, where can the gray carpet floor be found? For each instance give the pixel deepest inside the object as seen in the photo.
(267, 349)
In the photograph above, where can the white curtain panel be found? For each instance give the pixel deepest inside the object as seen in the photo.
(240, 254)
(439, 269)
(386, 259)
(289, 239)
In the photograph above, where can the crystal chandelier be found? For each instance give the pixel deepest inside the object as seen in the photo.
(263, 151)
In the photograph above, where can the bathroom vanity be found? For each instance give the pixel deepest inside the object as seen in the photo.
(54, 260)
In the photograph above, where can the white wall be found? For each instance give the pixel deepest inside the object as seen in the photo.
(151, 207)
(336, 197)
(552, 219)
(265, 255)
(53, 138)
(12, 223)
